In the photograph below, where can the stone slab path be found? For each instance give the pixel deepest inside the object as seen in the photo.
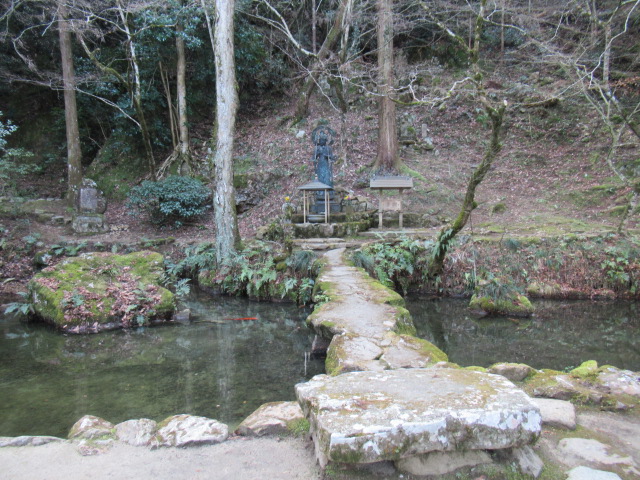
(367, 323)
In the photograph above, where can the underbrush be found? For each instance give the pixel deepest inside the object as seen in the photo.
(567, 267)
(261, 271)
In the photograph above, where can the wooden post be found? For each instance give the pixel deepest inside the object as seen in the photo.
(380, 208)
(304, 206)
(326, 206)
(400, 212)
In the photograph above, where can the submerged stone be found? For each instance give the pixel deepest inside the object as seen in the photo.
(365, 417)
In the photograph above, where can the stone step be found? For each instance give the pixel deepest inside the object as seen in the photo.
(324, 243)
(365, 417)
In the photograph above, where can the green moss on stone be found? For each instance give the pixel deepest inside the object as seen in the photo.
(87, 278)
(585, 370)
(518, 306)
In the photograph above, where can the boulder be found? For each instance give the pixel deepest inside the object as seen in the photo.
(527, 461)
(442, 463)
(90, 427)
(619, 382)
(556, 413)
(516, 372)
(187, 430)
(272, 418)
(98, 291)
(606, 387)
(365, 417)
(517, 305)
(136, 432)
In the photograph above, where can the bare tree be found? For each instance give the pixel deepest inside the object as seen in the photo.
(227, 237)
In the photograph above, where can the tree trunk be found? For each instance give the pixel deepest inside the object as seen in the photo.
(224, 201)
(448, 233)
(74, 153)
(387, 159)
(181, 75)
(302, 105)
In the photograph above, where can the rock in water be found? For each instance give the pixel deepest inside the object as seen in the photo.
(365, 417)
(99, 291)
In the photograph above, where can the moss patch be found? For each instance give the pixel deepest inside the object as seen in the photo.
(518, 305)
(101, 290)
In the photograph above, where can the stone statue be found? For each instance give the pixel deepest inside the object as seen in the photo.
(323, 157)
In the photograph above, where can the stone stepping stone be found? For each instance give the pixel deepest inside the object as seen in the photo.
(365, 417)
(557, 413)
(577, 451)
(586, 473)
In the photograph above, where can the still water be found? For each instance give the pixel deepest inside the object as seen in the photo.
(561, 334)
(216, 367)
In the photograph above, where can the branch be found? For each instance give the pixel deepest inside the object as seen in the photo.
(280, 25)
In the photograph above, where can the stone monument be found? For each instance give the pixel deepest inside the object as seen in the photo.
(90, 207)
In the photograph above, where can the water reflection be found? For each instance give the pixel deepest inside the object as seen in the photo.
(562, 334)
(215, 367)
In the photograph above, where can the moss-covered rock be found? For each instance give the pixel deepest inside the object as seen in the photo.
(98, 291)
(517, 305)
(585, 370)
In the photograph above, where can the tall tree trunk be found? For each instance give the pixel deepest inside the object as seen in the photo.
(224, 201)
(309, 85)
(387, 159)
(181, 80)
(74, 153)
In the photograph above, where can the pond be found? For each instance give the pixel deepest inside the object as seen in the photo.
(561, 334)
(217, 366)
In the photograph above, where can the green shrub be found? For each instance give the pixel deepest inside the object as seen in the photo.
(174, 200)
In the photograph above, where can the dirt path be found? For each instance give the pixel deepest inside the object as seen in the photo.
(237, 459)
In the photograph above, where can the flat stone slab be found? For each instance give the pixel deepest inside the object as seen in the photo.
(365, 417)
(586, 473)
(557, 413)
(577, 451)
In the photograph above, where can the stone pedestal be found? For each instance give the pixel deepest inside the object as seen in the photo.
(90, 207)
(89, 223)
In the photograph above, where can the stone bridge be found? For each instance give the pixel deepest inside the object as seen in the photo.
(389, 396)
